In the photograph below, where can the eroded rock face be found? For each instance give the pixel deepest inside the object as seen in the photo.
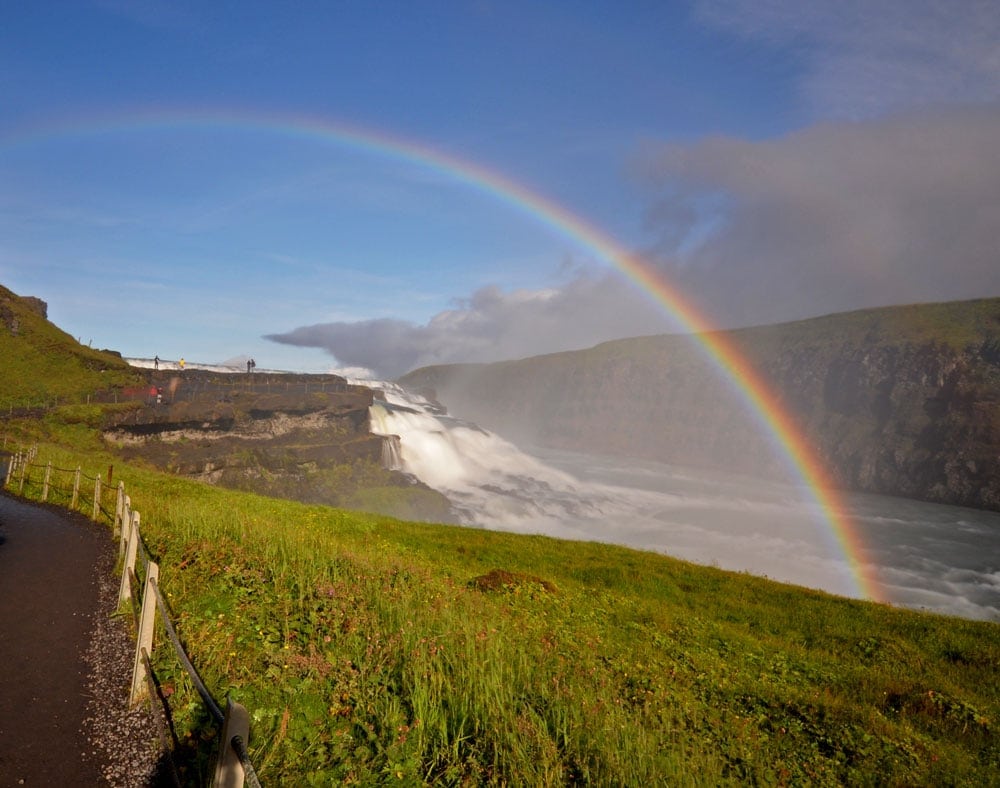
(302, 437)
(919, 421)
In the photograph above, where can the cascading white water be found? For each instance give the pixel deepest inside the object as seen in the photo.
(391, 457)
(489, 481)
(494, 484)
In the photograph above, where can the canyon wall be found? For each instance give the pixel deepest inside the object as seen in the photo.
(901, 401)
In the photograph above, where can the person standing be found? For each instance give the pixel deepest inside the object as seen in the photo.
(156, 362)
(181, 363)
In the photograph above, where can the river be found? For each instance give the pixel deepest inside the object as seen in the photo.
(926, 556)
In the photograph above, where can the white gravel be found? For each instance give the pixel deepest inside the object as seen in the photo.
(125, 742)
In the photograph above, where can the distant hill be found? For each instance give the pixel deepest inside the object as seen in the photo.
(41, 362)
(902, 400)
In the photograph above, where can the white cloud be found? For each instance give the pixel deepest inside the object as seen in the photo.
(896, 202)
(838, 216)
(491, 325)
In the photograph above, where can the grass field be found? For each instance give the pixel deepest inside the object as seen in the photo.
(371, 650)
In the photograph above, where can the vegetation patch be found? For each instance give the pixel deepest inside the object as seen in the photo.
(503, 580)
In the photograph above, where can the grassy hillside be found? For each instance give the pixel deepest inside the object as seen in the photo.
(955, 324)
(43, 364)
(371, 650)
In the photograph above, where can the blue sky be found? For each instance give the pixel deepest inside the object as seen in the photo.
(774, 160)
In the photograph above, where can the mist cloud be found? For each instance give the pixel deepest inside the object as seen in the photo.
(835, 217)
(491, 325)
(864, 59)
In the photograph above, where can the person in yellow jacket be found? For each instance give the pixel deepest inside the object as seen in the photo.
(181, 363)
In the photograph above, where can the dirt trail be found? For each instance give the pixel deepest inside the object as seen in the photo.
(49, 565)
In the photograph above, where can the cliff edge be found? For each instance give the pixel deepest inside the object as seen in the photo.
(303, 437)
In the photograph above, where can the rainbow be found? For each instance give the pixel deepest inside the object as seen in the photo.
(759, 398)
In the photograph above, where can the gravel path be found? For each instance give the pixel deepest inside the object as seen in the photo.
(65, 660)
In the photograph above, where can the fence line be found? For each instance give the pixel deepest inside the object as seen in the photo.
(233, 767)
(74, 496)
(186, 387)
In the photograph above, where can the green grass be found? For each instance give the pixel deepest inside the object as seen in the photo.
(366, 653)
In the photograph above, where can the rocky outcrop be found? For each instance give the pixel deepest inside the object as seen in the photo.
(303, 437)
(37, 305)
(9, 318)
(902, 401)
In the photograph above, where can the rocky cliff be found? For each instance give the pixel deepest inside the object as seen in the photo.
(901, 401)
(304, 437)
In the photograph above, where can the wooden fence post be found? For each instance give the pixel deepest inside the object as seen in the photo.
(228, 768)
(97, 497)
(76, 489)
(20, 486)
(125, 590)
(119, 511)
(45, 484)
(126, 523)
(10, 468)
(144, 641)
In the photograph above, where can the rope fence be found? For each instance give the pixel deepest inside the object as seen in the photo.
(139, 590)
(40, 482)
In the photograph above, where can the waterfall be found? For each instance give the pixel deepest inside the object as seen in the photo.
(728, 521)
(490, 482)
(391, 458)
